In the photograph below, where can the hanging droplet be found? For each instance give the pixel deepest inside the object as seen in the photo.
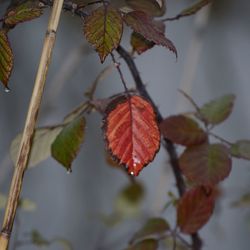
(69, 171)
(6, 90)
(132, 173)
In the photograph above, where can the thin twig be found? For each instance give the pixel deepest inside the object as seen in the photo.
(29, 128)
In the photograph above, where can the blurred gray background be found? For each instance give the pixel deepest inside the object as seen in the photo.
(214, 59)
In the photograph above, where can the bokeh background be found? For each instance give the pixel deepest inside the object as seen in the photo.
(213, 60)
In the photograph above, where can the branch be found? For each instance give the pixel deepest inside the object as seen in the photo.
(169, 146)
(29, 128)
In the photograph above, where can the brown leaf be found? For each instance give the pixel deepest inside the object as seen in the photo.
(145, 25)
(194, 209)
(6, 58)
(131, 132)
(182, 130)
(206, 164)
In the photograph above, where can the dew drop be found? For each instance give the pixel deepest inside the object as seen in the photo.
(6, 90)
(69, 171)
(132, 173)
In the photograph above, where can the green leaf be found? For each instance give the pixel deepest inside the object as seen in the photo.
(194, 8)
(67, 144)
(27, 205)
(23, 12)
(103, 29)
(182, 130)
(217, 110)
(149, 244)
(41, 147)
(206, 164)
(38, 240)
(145, 25)
(128, 201)
(152, 226)
(241, 149)
(244, 201)
(6, 58)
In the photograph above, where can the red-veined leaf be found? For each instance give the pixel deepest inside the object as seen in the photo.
(182, 130)
(6, 58)
(206, 164)
(23, 12)
(194, 209)
(103, 29)
(241, 149)
(218, 110)
(131, 132)
(145, 25)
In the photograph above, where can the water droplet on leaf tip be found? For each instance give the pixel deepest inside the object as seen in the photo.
(6, 90)
(69, 171)
(132, 173)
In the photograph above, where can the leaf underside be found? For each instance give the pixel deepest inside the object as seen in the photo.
(131, 132)
(103, 29)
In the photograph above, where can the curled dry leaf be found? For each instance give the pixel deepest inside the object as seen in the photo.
(132, 132)
(183, 130)
(206, 164)
(6, 58)
(103, 29)
(194, 209)
(145, 25)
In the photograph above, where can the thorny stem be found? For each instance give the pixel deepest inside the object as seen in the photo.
(29, 128)
(169, 146)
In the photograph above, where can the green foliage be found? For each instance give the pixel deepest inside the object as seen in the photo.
(103, 29)
(41, 148)
(67, 143)
(217, 110)
(149, 244)
(154, 226)
(241, 149)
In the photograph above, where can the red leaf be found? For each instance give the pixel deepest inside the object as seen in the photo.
(131, 132)
(145, 25)
(194, 209)
(182, 130)
(206, 164)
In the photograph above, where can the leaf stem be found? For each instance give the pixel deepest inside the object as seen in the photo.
(26, 142)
